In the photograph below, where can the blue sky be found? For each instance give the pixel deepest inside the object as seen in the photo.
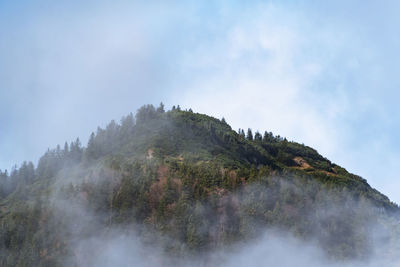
(323, 73)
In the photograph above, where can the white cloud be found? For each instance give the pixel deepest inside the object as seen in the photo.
(317, 74)
(256, 81)
(292, 74)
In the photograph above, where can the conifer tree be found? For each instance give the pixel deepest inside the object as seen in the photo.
(249, 134)
(161, 109)
(66, 149)
(91, 148)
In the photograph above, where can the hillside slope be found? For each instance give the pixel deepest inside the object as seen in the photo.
(190, 183)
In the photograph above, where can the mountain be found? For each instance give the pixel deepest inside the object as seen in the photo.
(185, 184)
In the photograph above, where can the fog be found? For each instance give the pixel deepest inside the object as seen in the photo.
(68, 67)
(321, 74)
(92, 242)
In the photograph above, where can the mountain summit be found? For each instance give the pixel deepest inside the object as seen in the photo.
(190, 184)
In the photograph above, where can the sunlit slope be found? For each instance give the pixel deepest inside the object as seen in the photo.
(190, 183)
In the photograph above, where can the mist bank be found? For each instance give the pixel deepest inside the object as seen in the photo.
(99, 243)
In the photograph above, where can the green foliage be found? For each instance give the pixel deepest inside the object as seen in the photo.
(190, 177)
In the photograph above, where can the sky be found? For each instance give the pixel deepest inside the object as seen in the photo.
(322, 73)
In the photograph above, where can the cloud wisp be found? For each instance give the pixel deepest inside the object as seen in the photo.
(92, 241)
(321, 74)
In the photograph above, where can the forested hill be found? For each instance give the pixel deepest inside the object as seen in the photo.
(190, 183)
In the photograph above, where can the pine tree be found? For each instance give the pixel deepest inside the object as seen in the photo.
(90, 152)
(160, 109)
(145, 113)
(76, 150)
(126, 129)
(66, 150)
(249, 134)
(268, 137)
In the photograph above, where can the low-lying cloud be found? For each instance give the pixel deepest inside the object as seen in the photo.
(92, 241)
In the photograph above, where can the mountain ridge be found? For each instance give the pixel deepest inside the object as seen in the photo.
(189, 177)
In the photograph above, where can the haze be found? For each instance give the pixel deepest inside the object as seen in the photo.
(323, 74)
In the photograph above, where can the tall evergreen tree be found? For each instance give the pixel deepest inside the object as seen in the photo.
(161, 109)
(66, 150)
(91, 152)
(249, 134)
(145, 113)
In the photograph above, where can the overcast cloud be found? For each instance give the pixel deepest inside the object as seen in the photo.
(323, 74)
